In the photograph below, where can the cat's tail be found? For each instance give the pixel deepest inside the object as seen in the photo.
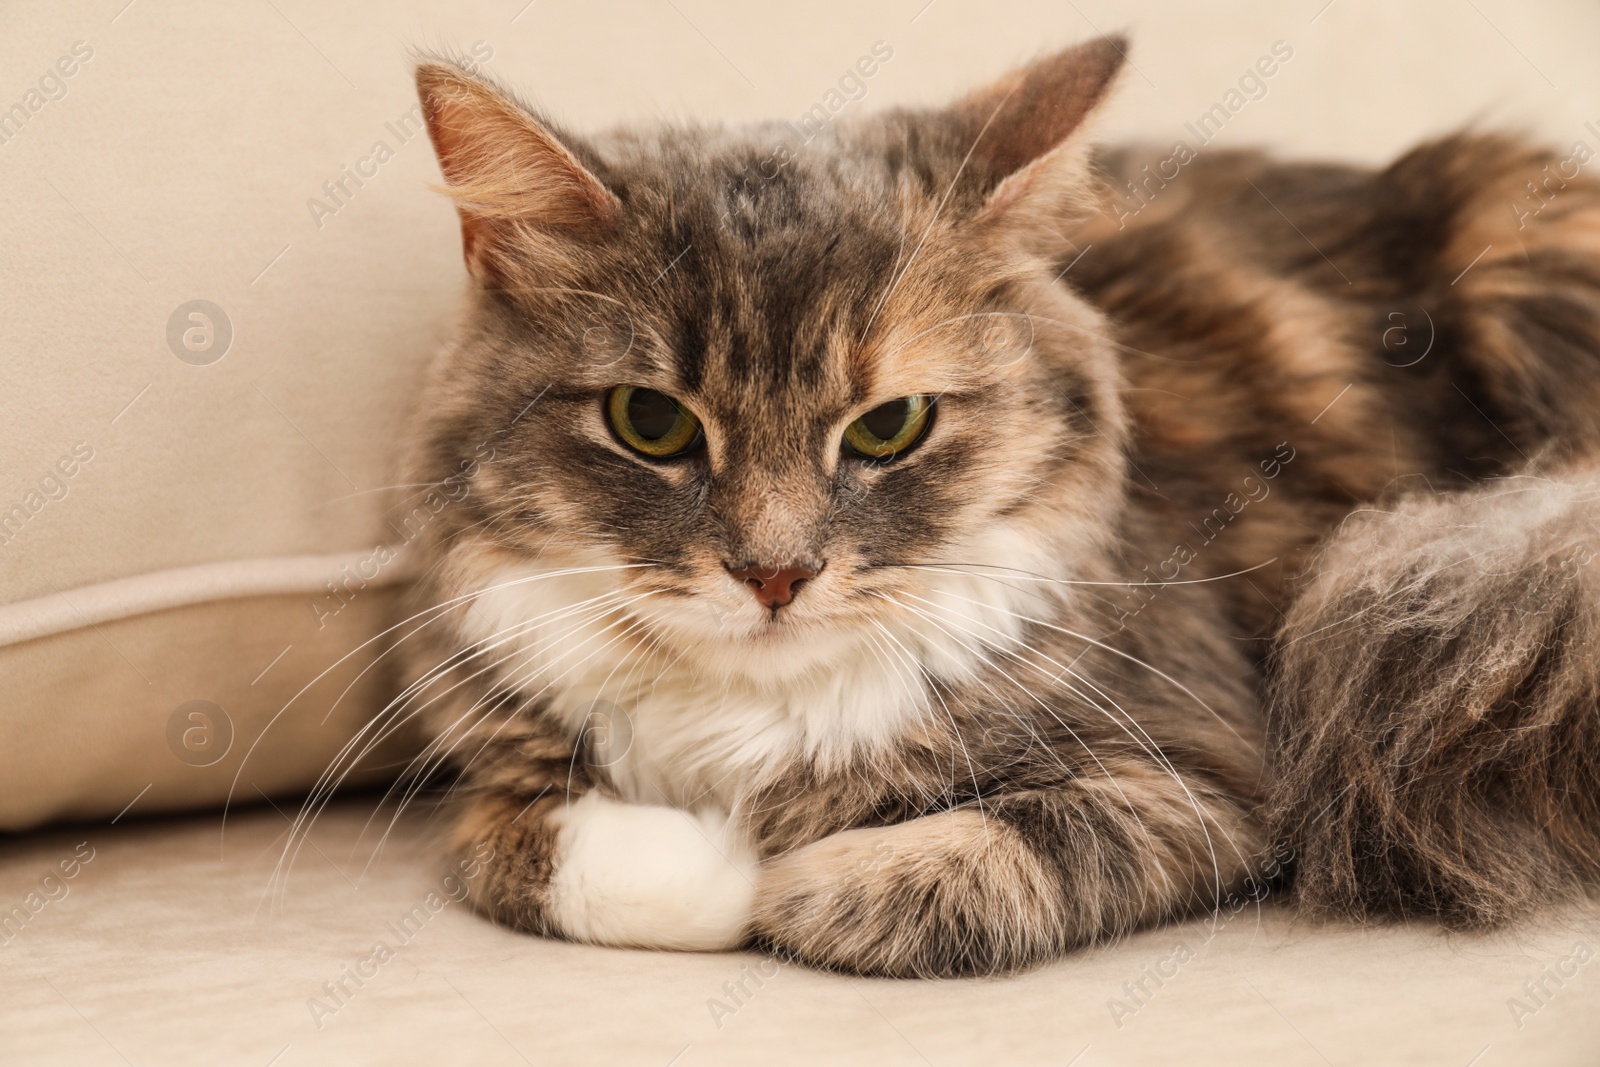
(1435, 706)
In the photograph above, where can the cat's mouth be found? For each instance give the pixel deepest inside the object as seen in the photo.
(779, 625)
(751, 637)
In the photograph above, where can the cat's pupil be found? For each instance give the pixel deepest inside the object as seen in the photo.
(887, 420)
(653, 414)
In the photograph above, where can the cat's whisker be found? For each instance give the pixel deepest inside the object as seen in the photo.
(894, 277)
(1133, 811)
(955, 728)
(323, 791)
(1154, 751)
(938, 210)
(438, 609)
(1400, 592)
(462, 737)
(1096, 643)
(377, 489)
(419, 769)
(952, 320)
(1043, 705)
(892, 666)
(552, 681)
(404, 776)
(1143, 741)
(400, 701)
(516, 685)
(975, 570)
(1111, 340)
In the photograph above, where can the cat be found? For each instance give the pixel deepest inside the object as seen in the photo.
(887, 552)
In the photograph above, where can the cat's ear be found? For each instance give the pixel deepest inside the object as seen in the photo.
(505, 169)
(1026, 132)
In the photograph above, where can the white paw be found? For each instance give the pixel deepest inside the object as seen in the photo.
(650, 877)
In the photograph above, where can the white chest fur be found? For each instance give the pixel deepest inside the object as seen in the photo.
(693, 731)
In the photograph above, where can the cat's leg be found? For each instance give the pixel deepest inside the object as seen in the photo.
(1018, 880)
(1435, 721)
(561, 858)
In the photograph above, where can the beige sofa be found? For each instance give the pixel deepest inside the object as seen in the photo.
(218, 294)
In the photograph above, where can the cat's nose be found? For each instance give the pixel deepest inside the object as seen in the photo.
(774, 585)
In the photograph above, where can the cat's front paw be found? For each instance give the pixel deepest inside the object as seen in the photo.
(649, 877)
(942, 895)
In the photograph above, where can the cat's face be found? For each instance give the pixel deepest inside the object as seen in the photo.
(762, 397)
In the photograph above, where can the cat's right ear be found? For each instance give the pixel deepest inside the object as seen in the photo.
(507, 171)
(1028, 154)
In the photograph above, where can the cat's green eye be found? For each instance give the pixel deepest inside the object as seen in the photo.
(890, 429)
(651, 423)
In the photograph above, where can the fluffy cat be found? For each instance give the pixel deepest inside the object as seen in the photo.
(882, 550)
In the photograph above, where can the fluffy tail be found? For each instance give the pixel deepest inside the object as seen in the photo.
(1435, 707)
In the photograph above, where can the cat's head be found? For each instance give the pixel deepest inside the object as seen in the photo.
(755, 395)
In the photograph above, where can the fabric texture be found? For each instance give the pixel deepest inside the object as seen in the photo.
(172, 707)
(223, 273)
(170, 946)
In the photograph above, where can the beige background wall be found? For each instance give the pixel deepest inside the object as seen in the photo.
(178, 166)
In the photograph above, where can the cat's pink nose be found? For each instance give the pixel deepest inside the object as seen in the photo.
(773, 586)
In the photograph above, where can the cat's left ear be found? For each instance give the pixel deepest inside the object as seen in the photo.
(510, 174)
(1029, 151)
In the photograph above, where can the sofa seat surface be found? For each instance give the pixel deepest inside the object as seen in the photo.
(175, 940)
